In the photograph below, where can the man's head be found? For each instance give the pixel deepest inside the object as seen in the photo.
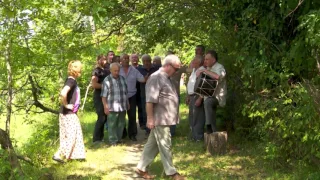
(146, 61)
(110, 55)
(197, 61)
(116, 59)
(134, 60)
(157, 61)
(211, 58)
(124, 60)
(171, 64)
(199, 50)
(115, 69)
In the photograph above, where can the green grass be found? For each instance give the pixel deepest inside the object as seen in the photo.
(243, 160)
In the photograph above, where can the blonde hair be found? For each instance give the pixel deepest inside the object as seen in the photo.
(74, 68)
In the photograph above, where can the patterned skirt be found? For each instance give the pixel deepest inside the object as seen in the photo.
(71, 138)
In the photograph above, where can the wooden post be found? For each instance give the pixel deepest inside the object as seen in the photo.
(216, 142)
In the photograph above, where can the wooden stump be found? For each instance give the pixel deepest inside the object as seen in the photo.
(216, 143)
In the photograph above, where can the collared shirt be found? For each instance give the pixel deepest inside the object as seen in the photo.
(131, 77)
(176, 77)
(116, 92)
(145, 72)
(161, 92)
(192, 80)
(221, 90)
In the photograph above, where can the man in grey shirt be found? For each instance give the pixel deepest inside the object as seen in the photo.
(162, 112)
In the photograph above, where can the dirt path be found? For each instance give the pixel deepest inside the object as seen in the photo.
(132, 156)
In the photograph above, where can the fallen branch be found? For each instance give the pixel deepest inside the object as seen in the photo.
(26, 159)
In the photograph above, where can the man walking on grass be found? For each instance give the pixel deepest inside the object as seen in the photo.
(162, 112)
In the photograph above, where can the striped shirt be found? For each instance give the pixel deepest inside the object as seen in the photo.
(116, 92)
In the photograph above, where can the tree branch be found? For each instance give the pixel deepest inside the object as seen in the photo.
(35, 98)
(300, 2)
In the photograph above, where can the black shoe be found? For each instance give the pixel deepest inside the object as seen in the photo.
(58, 159)
(133, 138)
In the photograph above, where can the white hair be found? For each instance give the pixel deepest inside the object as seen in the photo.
(115, 64)
(171, 59)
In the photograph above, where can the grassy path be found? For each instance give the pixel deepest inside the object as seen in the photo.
(244, 159)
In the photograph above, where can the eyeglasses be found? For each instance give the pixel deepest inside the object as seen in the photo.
(176, 69)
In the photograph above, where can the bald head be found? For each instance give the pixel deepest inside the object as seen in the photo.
(134, 60)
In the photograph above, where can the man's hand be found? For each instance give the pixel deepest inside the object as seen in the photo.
(150, 123)
(200, 71)
(198, 102)
(106, 110)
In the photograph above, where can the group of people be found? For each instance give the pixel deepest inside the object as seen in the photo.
(153, 87)
(109, 97)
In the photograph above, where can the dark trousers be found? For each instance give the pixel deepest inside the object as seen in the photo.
(173, 127)
(102, 117)
(132, 125)
(196, 118)
(210, 109)
(140, 109)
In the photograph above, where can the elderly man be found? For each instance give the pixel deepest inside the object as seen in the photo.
(196, 111)
(156, 62)
(132, 75)
(134, 58)
(115, 103)
(216, 71)
(200, 50)
(146, 70)
(162, 111)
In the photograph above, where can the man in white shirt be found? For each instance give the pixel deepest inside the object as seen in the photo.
(196, 111)
(216, 71)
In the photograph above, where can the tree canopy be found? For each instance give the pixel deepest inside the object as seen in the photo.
(270, 50)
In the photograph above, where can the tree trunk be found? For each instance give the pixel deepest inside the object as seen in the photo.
(5, 135)
(216, 143)
(9, 99)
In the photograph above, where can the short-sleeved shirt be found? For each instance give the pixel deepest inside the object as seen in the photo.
(145, 72)
(116, 92)
(73, 96)
(177, 77)
(192, 80)
(100, 73)
(131, 77)
(161, 92)
(221, 90)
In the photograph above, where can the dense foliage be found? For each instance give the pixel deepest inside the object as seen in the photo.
(269, 48)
